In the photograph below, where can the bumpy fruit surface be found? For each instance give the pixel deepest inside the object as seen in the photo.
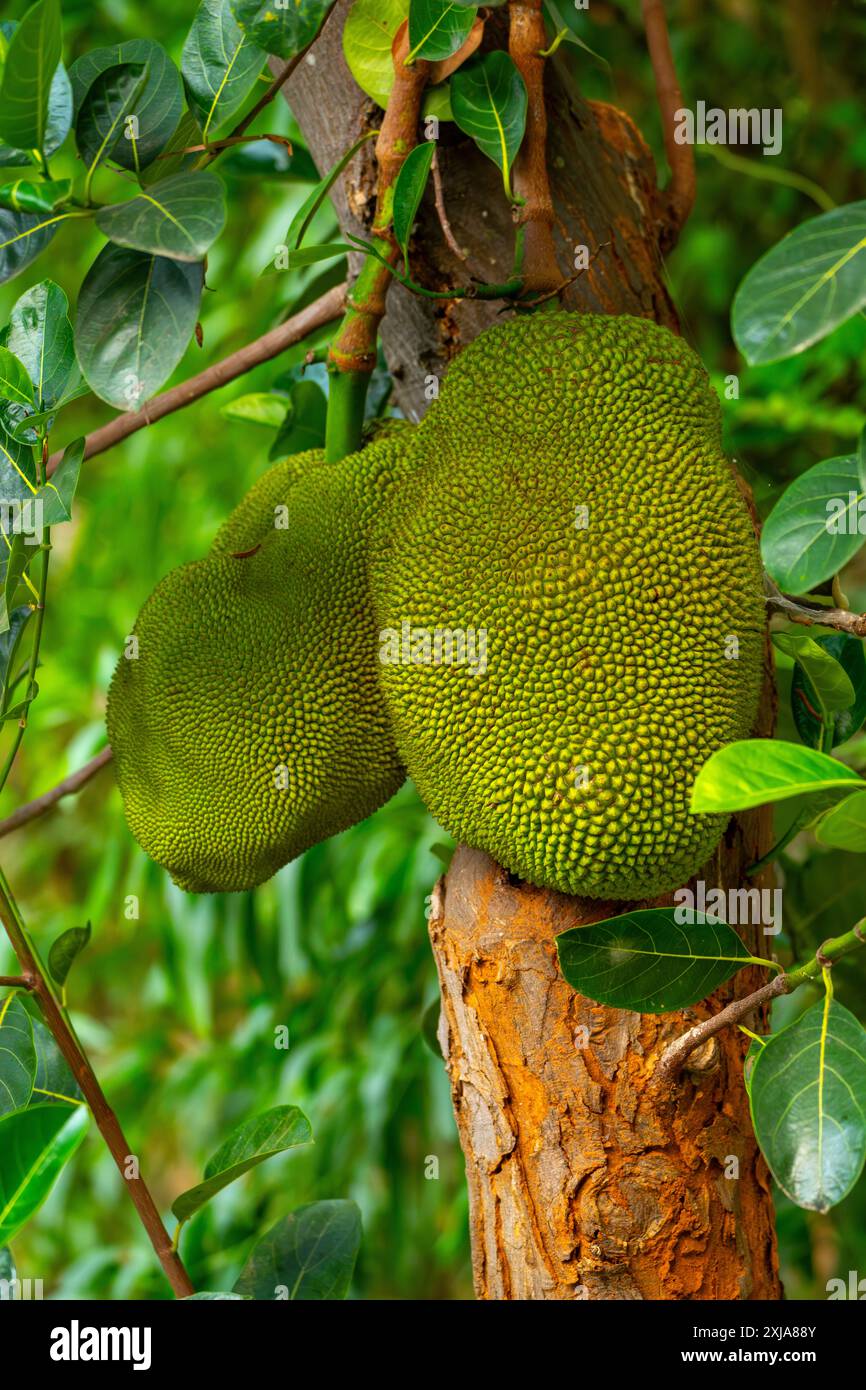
(251, 724)
(573, 509)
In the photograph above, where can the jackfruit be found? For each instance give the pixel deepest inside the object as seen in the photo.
(568, 591)
(249, 724)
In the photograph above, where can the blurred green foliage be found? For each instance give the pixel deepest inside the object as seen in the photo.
(179, 1005)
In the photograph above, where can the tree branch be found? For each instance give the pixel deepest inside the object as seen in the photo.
(681, 190)
(323, 310)
(16, 982)
(73, 783)
(802, 611)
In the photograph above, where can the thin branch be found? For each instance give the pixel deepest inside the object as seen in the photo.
(802, 611)
(73, 783)
(681, 190)
(527, 39)
(103, 1114)
(323, 310)
(676, 1053)
(16, 982)
(441, 213)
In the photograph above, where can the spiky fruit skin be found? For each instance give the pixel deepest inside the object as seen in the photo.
(265, 507)
(624, 642)
(251, 725)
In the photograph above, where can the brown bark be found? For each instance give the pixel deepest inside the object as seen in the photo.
(585, 1180)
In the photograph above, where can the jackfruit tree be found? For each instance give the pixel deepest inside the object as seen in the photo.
(498, 548)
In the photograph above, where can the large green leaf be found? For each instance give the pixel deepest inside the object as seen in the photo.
(54, 1082)
(805, 706)
(830, 682)
(283, 31)
(488, 100)
(136, 315)
(814, 528)
(754, 771)
(648, 962)
(59, 114)
(275, 1131)
(178, 153)
(23, 236)
(804, 287)
(310, 1254)
(35, 1146)
(179, 217)
(303, 425)
(17, 1056)
(31, 62)
(409, 190)
(40, 335)
(844, 826)
(808, 1098)
(437, 28)
(15, 383)
(159, 109)
(220, 64)
(101, 124)
(368, 34)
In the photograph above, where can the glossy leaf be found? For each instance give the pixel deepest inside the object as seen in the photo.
(808, 1099)
(830, 682)
(23, 236)
(17, 1056)
(115, 95)
(281, 31)
(178, 153)
(310, 1254)
(31, 62)
(805, 706)
(844, 826)
(284, 1127)
(437, 28)
(25, 196)
(40, 335)
(755, 771)
(488, 100)
(35, 1146)
(56, 495)
(804, 287)
(258, 408)
(814, 528)
(15, 383)
(59, 120)
(158, 111)
(136, 315)
(179, 217)
(54, 1083)
(368, 35)
(220, 64)
(409, 190)
(647, 961)
(68, 946)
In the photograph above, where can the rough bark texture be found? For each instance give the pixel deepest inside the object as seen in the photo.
(584, 1181)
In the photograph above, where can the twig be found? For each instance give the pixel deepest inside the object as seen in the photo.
(102, 1112)
(527, 39)
(681, 190)
(16, 982)
(323, 310)
(801, 611)
(73, 783)
(441, 213)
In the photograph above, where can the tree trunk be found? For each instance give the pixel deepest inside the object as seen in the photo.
(584, 1181)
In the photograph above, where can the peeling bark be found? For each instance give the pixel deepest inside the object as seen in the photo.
(584, 1180)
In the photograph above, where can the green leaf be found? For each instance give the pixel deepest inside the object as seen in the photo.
(848, 651)
(102, 123)
(172, 159)
(562, 23)
(40, 334)
(54, 1082)
(814, 528)
(23, 236)
(32, 59)
(409, 190)
(25, 196)
(17, 468)
(310, 1254)
(35, 1146)
(10, 640)
(17, 1056)
(648, 962)
(15, 556)
(59, 115)
(57, 494)
(220, 64)
(303, 425)
(309, 255)
(275, 1131)
(829, 681)
(755, 771)
(259, 408)
(488, 99)
(804, 287)
(159, 109)
(63, 952)
(368, 34)
(179, 217)
(844, 825)
(136, 315)
(437, 28)
(15, 383)
(808, 1099)
(281, 31)
(300, 223)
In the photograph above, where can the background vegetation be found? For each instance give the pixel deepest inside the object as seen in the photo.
(179, 1006)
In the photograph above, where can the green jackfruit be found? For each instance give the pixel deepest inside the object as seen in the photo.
(250, 725)
(569, 599)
